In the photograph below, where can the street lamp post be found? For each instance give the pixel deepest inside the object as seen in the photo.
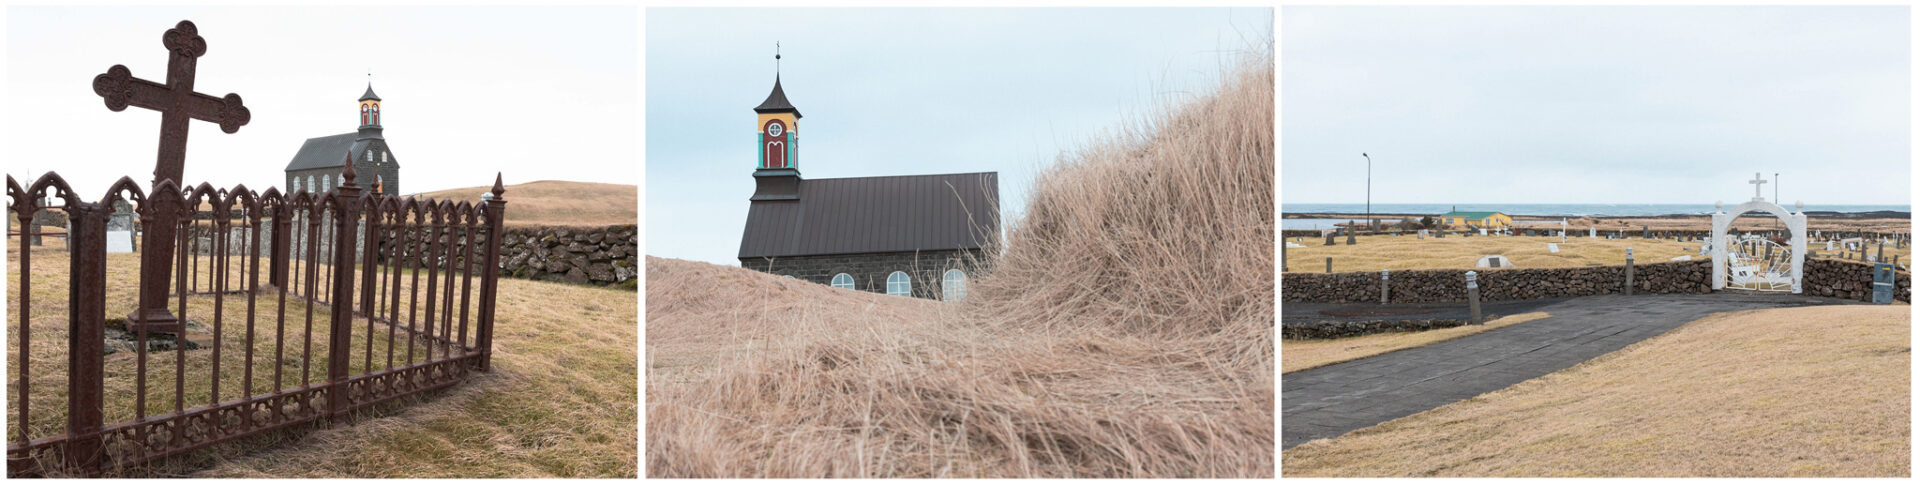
(1369, 189)
(1776, 197)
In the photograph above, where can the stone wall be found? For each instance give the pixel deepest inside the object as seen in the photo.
(1840, 279)
(870, 270)
(607, 255)
(1420, 286)
(1850, 280)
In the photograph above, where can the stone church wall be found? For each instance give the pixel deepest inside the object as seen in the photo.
(870, 270)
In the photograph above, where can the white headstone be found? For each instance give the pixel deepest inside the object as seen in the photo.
(1683, 257)
(1829, 245)
(1553, 248)
(119, 241)
(1589, 231)
(1292, 245)
(1493, 261)
(1483, 231)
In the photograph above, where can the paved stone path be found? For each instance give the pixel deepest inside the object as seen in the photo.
(1330, 401)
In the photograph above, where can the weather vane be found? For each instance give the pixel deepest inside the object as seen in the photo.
(776, 57)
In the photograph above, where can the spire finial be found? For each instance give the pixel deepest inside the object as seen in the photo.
(776, 58)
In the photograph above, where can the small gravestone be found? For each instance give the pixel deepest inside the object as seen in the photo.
(1589, 232)
(1493, 261)
(1349, 234)
(1645, 233)
(1529, 233)
(1553, 248)
(120, 228)
(1883, 284)
(1329, 238)
(1423, 234)
(1683, 257)
(1483, 231)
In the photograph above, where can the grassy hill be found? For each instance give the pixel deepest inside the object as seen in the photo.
(1814, 391)
(1126, 331)
(561, 203)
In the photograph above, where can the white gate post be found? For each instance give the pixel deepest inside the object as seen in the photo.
(1719, 242)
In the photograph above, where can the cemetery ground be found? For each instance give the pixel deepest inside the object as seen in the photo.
(1404, 252)
(1296, 355)
(560, 401)
(1803, 391)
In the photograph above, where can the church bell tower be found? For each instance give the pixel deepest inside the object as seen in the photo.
(777, 129)
(369, 114)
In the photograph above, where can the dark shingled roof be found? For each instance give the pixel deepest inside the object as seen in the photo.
(877, 214)
(326, 151)
(777, 101)
(369, 94)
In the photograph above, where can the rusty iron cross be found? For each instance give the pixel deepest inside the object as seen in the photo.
(175, 100)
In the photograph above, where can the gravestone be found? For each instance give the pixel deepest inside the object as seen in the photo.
(1493, 261)
(120, 228)
(1483, 231)
(1683, 257)
(1645, 233)
(1423, 234)
(1329, 238)
(1883, 284)
(1829, 244)
(1349, 234)
(1553, 248)
(1589, 232)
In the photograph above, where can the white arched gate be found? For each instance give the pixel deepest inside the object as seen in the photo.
(1746, 263)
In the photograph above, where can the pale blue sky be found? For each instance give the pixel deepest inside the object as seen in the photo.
(1594, 104)
(899, 91)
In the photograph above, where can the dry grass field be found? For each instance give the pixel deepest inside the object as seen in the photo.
(561, 400)
(1375, 253)
(1126, 331)
(1298, 355)
(1800, 392)
(560, 203)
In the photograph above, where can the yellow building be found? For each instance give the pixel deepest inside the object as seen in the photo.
(1489, 220)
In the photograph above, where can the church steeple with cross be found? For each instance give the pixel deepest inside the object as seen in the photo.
(777, 125)
(370, 111)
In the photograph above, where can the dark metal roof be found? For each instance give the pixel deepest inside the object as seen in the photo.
(777, 101)
(326, 151)
(369, 94)
(877, 214)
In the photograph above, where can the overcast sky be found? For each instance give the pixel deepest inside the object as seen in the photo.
(899, 91)
(536, 93)
(1594, 104)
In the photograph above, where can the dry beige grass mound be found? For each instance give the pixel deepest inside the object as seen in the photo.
(560, 202)
(1126, 331)
(1812, 391)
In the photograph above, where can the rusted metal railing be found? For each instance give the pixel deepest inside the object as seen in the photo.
(414, 261)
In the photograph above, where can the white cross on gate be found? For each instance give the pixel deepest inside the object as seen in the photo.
(1756, 185)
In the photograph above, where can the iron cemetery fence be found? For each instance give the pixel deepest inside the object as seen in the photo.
(296, 308)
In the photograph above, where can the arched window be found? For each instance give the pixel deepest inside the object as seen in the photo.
(898, 284)
(953, 285)
(310, 186)
(296, 184)
(843, 281)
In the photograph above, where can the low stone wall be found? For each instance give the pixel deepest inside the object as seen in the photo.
(1833, 278)
(606, 255)
(1423, 286)
(1850, 280)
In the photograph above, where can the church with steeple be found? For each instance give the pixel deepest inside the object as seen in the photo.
(914, 235)
(316, 167)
